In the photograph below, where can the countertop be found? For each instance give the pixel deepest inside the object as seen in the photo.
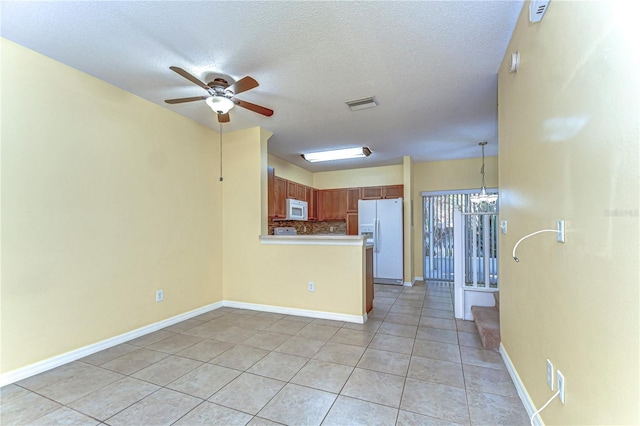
(315, 239)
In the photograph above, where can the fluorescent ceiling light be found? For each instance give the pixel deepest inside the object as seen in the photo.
(362, 103)
(220, 104)
(337, 154)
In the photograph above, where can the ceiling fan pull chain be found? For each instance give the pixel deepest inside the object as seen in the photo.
(221, 179)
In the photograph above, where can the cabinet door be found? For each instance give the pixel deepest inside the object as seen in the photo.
(369, 288)
(352, 223)
(393, 191)
(332, 204)
(292, 189)
(301, 192)
(279, 197)
(271, 175)
(312, 200)
(353, 195)
(372, 193)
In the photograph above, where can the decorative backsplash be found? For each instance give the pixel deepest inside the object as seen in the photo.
(338, 227)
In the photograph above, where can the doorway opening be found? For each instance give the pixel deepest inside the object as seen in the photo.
(480, 238)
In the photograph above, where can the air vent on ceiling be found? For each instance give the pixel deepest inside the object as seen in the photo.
(537, 8)
(362, 104)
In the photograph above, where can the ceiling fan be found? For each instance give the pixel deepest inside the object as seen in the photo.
(221, 97)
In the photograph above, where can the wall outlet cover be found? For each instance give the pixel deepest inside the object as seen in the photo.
(550, 374)
(560, 386)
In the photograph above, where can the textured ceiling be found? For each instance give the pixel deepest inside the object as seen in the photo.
(432, 66)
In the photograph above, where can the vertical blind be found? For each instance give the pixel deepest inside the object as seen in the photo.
(480, 251)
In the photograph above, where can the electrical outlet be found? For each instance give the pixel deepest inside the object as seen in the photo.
(312, 286)
(503, 226)
(560, 386)
(550, 374)
(159, 295)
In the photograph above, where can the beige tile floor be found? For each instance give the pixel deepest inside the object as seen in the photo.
(412, 363)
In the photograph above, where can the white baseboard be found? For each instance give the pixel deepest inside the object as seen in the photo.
(418, 279)
(522, 391)
(408, 284)
(56, 361)
(359, 319)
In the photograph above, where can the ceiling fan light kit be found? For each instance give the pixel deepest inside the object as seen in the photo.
(337, 154)
(220, 104)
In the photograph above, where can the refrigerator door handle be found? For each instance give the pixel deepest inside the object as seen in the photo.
(376, 243)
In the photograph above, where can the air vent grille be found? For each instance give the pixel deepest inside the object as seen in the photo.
(537, 8)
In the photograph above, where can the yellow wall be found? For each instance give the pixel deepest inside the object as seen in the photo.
(277, 275)
(289, 171)
(370, 176)
(569, 149)
(105, 198)
(442, 176)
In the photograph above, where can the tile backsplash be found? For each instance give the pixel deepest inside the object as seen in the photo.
(338, 227)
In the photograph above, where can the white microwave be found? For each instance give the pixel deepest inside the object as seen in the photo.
(297, 210)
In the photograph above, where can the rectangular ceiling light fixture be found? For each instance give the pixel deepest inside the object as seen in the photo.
(337, 154)
(362, 104)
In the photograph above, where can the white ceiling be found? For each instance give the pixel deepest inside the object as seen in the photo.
(432, 66)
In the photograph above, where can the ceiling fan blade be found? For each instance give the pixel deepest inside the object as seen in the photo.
(223, 118)
(182, 100)
(243, 85)
(190, 77)
(253, 107)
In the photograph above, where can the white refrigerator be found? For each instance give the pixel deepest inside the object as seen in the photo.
(381, 222)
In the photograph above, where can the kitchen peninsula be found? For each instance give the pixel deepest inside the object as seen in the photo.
(319, 246)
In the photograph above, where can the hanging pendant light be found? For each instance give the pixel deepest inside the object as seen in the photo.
(483, 197)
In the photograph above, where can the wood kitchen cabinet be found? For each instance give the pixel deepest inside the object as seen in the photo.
(369, 279)
(271, 175)
(301, 193)
(279, 197)
(352, 223)
(371, 192)
(353, 195)
(292, 190)
(312, 202)
(332, 204)
(393, 191)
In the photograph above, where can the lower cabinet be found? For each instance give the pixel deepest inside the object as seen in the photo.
(352, 223)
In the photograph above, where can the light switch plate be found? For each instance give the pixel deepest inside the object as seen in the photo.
(503, 226)
(560, 228)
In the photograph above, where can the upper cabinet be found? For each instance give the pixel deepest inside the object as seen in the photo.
(393, 191)
(279, 198)
(371, 192)
(332, 204)
(312, 202)
(353, 195)
(271, 176)
(325, 204)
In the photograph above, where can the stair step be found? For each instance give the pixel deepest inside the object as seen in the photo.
(487, 319)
